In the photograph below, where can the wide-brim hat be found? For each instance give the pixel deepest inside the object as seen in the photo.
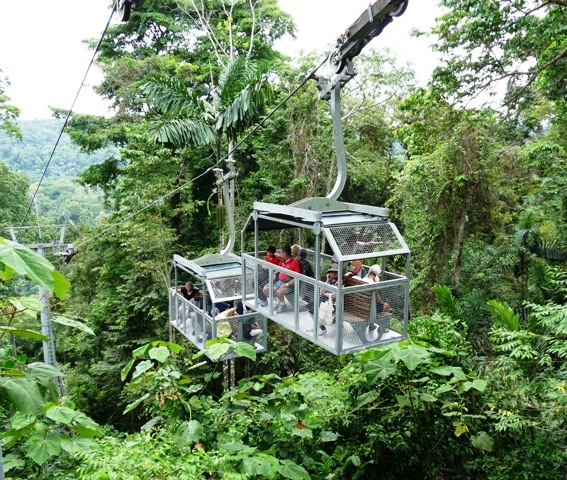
(333, 268)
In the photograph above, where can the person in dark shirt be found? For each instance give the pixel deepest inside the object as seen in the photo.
(188, 291)
(307, 270)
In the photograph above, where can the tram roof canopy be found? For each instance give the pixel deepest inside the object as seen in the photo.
(354, 231)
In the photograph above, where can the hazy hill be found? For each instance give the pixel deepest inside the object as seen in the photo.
(60, 199)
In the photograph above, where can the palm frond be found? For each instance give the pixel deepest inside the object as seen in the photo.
(549, 251)
(170, 96)
(504, 315)
(181, 131)
(446, 302)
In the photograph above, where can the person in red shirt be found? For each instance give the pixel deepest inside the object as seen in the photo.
(284, 283)
(271, 256)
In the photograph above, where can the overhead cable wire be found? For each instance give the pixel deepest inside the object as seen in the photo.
(180, 187)
(278, 106)
(69, 113)
(155, 202)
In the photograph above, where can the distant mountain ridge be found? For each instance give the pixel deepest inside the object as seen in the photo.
(60, 198)
(30, 155)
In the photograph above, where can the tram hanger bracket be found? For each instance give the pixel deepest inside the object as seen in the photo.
(369, 25)
(325, 86)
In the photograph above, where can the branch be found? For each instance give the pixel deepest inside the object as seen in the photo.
(253, 29)
(534, 73)
(205, 24)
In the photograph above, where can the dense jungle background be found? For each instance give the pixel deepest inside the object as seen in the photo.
(477, 189)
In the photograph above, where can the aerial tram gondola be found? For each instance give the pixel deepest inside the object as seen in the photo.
(363, 315)
(218, 278)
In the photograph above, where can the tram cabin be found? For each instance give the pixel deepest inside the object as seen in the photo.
(352, 314)
(218, 310)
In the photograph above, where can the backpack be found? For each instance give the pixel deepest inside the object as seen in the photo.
(306, 268)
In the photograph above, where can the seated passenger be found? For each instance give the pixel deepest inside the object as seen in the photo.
(284, 283)
(307, 270)
(264, 275)
(327, 299)
(373, 275)
(224, 329)
(355, 270)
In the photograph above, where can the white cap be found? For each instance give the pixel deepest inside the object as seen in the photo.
(375, 269)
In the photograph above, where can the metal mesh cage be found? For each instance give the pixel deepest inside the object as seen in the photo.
(365, 240)
(199, 327)
(226, 288)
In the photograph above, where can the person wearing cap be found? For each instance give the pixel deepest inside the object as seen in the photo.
(306, 268)
(373, 275)
(355, 270)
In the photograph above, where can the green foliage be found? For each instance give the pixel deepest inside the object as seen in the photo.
(13, 198)
(42, 425)
(521, 41)
(56, 428)
(16, 258)
(8, 113)
(505, 315)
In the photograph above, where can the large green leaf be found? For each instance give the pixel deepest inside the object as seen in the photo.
(135, 403)
(188, 432)
(75, 444)
(43, 371)
(380, 369)
(483, 441)
(289, 469)
(23, 333)
(22, 420)
(412, 355)
(72, 323)
(60, 284)
(126, 370)
(447, 370)
(260, 466)
(23, 394)
(41, 448)
(60, 414)
(245, 350)
(29, 305)
(161, 354)
(11, 461)
(85, 426)
(142, 367)
(24, 261)
(217, 350)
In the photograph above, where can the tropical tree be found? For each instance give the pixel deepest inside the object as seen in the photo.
(523, 43)
(453, 185)
(13, 196)
(38, 423)
(8, 113)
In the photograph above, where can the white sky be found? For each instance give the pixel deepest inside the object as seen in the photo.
(42, 54)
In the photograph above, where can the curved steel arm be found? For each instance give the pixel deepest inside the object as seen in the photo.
(225, 182)
(339, 143)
